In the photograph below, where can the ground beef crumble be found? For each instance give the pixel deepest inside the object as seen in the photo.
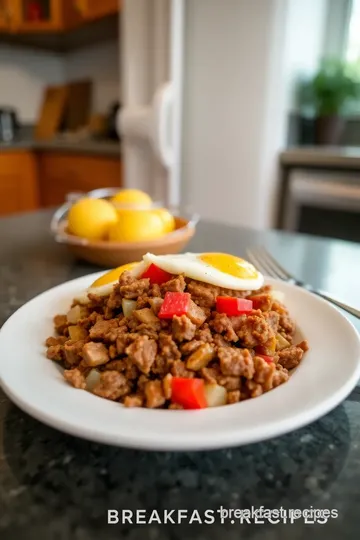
(142, 353)
(55, 352)
(236, 362)
(291, 357)
(75, 377)
(138, 356)
(112, 385)
(222, 325)
(182, 328)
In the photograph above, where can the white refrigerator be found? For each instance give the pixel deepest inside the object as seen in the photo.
(151, 53)
(206, 92)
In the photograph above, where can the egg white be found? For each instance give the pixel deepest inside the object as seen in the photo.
(191, 266)
(106, 289)
(103, 290)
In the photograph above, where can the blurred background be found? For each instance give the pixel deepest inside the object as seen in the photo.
(246, 111)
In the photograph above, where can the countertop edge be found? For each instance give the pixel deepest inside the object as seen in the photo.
(101, 148)
(316, 156)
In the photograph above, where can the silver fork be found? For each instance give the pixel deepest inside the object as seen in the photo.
(262, 259)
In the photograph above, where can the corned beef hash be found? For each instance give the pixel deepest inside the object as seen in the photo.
(184, 331)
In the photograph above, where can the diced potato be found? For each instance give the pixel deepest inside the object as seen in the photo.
(281, 342)
(167, 382)
(128, 306)
(95, 354)
(279, 296)
(146, 315)
(92, 379)
(201, 357)
(196, 314)
(76, 313)
(77, 332)
(155, 304)
(216, 395)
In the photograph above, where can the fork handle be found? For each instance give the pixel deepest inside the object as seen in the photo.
(337, 303)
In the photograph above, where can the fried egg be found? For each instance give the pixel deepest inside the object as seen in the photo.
(219, 269)
(104, 285)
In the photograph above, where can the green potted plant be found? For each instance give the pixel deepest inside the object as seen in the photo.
(329, 94)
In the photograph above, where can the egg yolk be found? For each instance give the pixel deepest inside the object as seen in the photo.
(113, 275)
(229, 264)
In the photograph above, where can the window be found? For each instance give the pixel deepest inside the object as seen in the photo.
(353, 43)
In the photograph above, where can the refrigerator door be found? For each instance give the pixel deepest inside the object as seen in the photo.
(151, 75)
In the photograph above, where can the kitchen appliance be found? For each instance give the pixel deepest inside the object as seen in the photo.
(149, 120)
(323, 203)
(9, 124)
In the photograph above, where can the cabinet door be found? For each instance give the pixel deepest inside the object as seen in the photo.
(43, 15)
(95, 9)
(18, 183)
(61, 174)
(4, 16)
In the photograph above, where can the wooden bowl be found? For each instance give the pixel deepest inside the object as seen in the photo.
(112, 254)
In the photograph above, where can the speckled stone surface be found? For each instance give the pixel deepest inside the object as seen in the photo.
(57, 487)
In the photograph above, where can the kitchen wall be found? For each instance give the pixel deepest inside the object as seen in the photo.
(24, 74)
(239, 68)
(101, 64)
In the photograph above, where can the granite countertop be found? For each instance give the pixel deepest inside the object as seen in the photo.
(322, 156)
(84, 146)
(57, 487)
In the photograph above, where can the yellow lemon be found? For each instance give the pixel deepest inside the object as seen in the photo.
(91, 218)
(136, 225)
(167, 219)
(113, 275)
(127, 198)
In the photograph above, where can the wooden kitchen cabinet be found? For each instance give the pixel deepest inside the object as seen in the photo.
(95, 9)
(24, 16)
(18, 182)
(43, 15)
(4, 15)
(61, 174)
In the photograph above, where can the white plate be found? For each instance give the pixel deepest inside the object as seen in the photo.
(327, 374)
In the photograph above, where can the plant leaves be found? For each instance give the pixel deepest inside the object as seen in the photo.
(332, 88)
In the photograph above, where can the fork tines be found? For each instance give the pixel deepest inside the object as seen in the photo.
(262, 259)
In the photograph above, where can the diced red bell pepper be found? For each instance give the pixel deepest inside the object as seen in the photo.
(190, 393)
(261, 301)
(175, 303)
(233, 306)
(156, 275)
(268, 359)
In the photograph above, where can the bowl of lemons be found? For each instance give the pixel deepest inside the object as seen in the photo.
(111, 227)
